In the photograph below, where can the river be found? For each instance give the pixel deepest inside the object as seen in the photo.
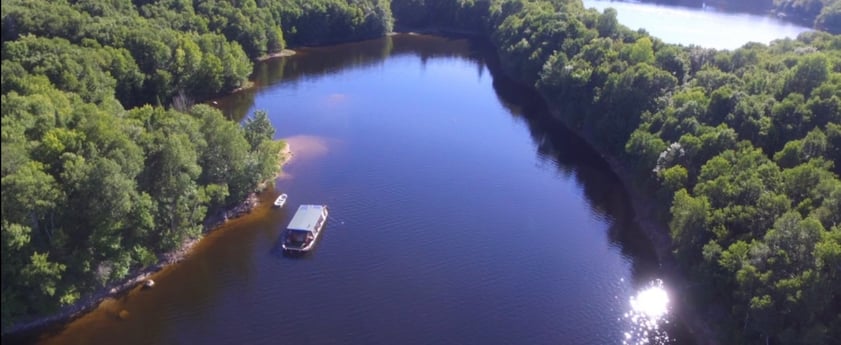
(706, 26)
(460, 214)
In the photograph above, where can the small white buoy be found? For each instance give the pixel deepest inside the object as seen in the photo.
(148, 284)
(215, 103)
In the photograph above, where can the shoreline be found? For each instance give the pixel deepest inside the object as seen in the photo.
(250, 84)
(698, 322)
(216, 219)
(437, 31)
(137, 277)
(658, 233)
(282, 53)
(644, 208)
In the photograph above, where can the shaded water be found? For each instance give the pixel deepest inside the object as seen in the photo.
(707, 26)
(460, 214)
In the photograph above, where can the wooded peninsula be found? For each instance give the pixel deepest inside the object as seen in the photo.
(107, 162)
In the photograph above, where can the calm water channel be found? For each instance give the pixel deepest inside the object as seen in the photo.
(459, 215)
(707, 26)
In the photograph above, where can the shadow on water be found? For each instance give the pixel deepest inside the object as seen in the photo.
(300, 67)
(192, 284)
(604, 190)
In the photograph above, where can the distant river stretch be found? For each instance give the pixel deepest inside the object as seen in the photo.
(707, 26)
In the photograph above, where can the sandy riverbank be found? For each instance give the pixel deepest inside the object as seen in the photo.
(275, 55)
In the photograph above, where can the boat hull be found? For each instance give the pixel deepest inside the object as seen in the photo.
(311, 245)
(280, 201)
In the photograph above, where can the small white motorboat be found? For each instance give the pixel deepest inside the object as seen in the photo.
(280, 201)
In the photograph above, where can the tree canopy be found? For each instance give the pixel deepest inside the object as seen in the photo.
(741, 149)
(734, 145)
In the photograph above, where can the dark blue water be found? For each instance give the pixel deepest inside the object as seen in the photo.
(460, 214)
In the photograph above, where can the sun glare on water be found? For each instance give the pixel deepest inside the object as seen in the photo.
(652, 302)
(648, 313)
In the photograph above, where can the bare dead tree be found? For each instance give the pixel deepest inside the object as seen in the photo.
(182, 102)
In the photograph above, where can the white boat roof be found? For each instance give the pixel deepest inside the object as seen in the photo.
(306, 218)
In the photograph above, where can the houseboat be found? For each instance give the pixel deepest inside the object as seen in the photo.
(304, 228)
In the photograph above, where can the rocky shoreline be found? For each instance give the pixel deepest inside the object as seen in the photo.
(138, 277)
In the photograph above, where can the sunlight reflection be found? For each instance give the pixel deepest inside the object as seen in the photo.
(649, 311)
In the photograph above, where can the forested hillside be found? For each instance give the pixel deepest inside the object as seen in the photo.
(741, 150)
(822, 14)
(152, 51)
(105, 161)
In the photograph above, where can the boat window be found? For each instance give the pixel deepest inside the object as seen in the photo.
(298, 236)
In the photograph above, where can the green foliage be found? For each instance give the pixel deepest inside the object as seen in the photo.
(796, 152)
(825, 14)
(101, 189)
(268, 160)
(674, 178)
(702, 125)
(645, 148)
(830, 18)
(674, 60)
(810, 72)
(41, 278)
(690, 222)
(457, 15)
(642, 51)
(258, 129)
(151, 53)
(833, 149)
(628, 94)
(92, 191)
(608, 25)
(326, 21)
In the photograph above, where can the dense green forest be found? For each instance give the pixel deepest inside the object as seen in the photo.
(821, 14)
(106, 162)
(741, 150)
